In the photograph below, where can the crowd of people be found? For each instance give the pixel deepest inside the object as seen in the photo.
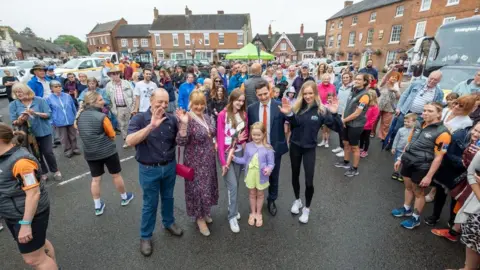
(241, 124)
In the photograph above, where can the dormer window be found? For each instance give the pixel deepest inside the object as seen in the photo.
(310, 43)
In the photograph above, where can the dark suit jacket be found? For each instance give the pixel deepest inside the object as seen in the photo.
(277, 121)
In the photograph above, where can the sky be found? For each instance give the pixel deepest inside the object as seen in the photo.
(51, 18)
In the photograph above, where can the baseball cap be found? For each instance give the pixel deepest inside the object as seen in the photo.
(50, 68)
(305, 66)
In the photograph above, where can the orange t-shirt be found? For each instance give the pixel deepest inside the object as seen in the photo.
(134, 66)
(121, 66)
(109, 65)
(25, 169)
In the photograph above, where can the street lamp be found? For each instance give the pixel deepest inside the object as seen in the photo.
(193, 51)
(258, 43)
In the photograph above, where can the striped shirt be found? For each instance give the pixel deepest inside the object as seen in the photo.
(119, 99)
(423, 97)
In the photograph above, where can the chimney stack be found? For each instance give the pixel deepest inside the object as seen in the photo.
(347, 4)
(220, 12)
(155, 13)
(187, 11)
(301, 30)
(269, 31)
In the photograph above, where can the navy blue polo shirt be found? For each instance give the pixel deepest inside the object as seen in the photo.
(159, 146)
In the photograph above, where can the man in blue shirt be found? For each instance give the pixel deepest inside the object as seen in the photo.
(184, 92)
(51, 75)
(153, 134)
(39, 83)
(369, 69)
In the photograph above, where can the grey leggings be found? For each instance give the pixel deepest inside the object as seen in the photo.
(231, 182)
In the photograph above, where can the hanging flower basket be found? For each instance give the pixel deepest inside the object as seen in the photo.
(378, 52)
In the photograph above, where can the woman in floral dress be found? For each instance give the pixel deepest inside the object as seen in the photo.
(201, 193)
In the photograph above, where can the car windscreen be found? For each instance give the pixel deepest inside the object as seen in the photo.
(13, 72)
(451, 77)
(72, 64)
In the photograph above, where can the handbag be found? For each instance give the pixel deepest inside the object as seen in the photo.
(184, 171)
(461, 191)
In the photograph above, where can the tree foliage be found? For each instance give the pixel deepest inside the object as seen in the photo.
(79, 45)
(28, 32)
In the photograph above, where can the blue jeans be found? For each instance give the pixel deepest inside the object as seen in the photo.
(155, 181)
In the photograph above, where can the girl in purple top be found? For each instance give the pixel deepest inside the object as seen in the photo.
(260, 160)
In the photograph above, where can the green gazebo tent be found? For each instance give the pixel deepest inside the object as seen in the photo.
(249, 52)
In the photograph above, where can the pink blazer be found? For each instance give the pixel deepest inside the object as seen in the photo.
(323, 91)
(221, 147)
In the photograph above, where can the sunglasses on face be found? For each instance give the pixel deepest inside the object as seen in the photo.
(217, 81)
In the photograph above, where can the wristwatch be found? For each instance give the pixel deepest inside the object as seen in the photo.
(24, 222)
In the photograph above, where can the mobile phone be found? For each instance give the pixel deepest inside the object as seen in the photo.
(478, 143)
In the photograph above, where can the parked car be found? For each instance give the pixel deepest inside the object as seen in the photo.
(91, 66)
(339, 65)
(164, 64)
(15, 71)
(202, 66)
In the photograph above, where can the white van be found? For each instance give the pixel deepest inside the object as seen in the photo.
(113, 56)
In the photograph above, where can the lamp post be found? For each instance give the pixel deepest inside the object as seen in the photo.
(193, 51)
(258, 43)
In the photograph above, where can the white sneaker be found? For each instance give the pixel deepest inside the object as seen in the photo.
(304, 217)
(321, 144)
(340, 154)
(326, 145)
(297, 204)
(238, 216)
(234, 225)
(125, 146)
(336, 150)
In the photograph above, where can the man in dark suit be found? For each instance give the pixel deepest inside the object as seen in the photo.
(267, 111)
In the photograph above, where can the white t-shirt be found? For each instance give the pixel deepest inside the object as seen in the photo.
(456, 123)
(230, 131)
(144, 90)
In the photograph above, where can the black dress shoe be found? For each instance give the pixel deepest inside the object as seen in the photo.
(175, 230)
(146, 247)
(272, 208)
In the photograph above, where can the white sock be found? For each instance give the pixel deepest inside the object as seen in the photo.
(416, 216)
(98, 203)
(407, 207)
(124, 196)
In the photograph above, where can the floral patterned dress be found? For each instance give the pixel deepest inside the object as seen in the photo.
(201, 193)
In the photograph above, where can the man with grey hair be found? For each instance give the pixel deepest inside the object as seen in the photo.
(153, 134)
(221, 74)
(250, 84)
(291, 75)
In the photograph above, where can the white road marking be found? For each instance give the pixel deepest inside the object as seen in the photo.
(87, 173)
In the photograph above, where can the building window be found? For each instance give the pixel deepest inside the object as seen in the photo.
(396, 32)
(391, 56)
(425, 5)
(349, 56)
(187, 39)
(354, 20)
(351, 39)
(240, 38)
(452, 2)
(144, 42)
(157, 40)
(370, 36)
(135, 42)
(283, 46)
(124, 42)
(175, 39)
(221, 38)
(93, 41)
(160, 55)
(90, 41)
(340, 24)
(399, 12)
(373, 16)
(339, 40)
(420, 29)
(176, 56)
(188, 55)
(330, 42)
(206, 39)
(106, 40)
(310, 43)
(449, 19)
(332, 26)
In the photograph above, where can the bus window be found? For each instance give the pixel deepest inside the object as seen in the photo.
(114, 58)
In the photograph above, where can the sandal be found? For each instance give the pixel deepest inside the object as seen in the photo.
(259, 221)
(208, 219)
(251, 219)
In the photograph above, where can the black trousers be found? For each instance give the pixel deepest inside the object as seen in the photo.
(439, 202)
(365, 140)
(308, 155)
(45, 146)
(273, 188)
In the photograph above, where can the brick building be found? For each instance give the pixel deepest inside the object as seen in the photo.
(102, 36)
(385, 30)
(296, 47)
(206, 36)
(134, 41)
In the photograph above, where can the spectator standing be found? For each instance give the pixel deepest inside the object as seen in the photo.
(8, 80)
(369, 69)
(38, 83)
(250, 84)
(143, 90)
(165, 82)
(468, 87)
(184, 92)
(304, 77)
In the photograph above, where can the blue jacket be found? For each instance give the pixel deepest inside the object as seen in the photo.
(409, 95)
(372, 71)
(41, 127)
(36, 86)
(224, 79)
(168, 85)
(236, 81)
(184, 94)
(277, 121)
(467, 87)
(102, 92)
(63, 109)
(54, 78)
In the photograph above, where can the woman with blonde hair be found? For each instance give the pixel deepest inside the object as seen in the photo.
(201, 193)
(98, 137)
(32, 115)
(331, 73)
(306, 118)
(135, 78)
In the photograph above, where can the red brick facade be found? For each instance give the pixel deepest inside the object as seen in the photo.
(104, 41)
